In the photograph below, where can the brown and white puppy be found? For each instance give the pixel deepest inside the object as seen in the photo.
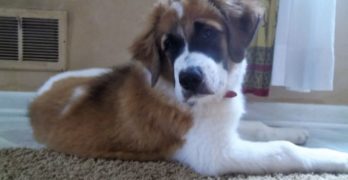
(179, 100)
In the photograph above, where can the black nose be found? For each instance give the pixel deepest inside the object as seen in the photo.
(191, 79)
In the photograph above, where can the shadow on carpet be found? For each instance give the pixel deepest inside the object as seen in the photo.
(45, 164)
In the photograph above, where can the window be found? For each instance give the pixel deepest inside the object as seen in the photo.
(32, 40)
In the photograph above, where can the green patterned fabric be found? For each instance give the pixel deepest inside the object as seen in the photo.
(260, 54)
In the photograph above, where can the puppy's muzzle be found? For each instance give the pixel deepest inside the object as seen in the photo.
(192, 82)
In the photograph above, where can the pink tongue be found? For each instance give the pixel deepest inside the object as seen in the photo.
(230, 94)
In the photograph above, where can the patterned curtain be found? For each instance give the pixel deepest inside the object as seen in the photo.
(260, 54)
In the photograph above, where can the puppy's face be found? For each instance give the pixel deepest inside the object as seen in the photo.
(197, 50)
(196, 43)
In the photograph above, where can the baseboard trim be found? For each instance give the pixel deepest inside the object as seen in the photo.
(297, 113)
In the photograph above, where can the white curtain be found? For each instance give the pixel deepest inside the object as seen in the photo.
(304, 48)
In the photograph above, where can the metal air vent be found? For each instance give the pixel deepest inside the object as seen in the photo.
(32, 39)
(40, 39)
(8, 38)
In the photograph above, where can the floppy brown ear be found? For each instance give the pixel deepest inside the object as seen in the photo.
(242, 19)
(145, 48)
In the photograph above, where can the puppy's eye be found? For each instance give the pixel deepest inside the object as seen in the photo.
(168, 44)
(207, 33)
(172, 42)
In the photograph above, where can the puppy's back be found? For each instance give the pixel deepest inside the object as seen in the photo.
(114, 115)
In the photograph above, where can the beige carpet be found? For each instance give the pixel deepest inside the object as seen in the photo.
(45, 164)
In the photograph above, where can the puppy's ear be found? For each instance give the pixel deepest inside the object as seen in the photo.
(146, 49)
(242, 19)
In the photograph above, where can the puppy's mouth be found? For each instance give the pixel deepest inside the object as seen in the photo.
(200, 91)
(190, 97)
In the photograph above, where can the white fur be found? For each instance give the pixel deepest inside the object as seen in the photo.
(76, 95)
(179, 9)
(81, 73)
(213, 145)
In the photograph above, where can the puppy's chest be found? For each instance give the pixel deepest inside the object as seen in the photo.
(210, 133)
(212, 126)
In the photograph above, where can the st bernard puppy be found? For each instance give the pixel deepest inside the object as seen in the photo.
(180, 99)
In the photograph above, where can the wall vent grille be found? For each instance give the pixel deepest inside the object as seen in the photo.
(31, 39)
(8, 38)
(40, 39)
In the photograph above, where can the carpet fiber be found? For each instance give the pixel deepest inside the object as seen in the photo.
(45, 164)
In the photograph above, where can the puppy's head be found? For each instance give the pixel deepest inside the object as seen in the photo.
(195, 44)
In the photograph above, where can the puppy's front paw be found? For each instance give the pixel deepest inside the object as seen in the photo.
(342, 163)
(294, 135)
(297, 136)
(334, 161)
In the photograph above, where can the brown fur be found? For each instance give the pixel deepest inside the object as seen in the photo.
(128, 120)
(121, 115)
(240, 19)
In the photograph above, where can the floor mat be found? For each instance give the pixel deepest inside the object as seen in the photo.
(22, 163)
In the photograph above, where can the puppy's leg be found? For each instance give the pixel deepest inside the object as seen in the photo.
(280, 156)
(273, 157)
(258, 131)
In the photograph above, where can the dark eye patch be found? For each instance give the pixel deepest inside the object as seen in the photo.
(207, 40)
(205, 32)
(173, 46)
